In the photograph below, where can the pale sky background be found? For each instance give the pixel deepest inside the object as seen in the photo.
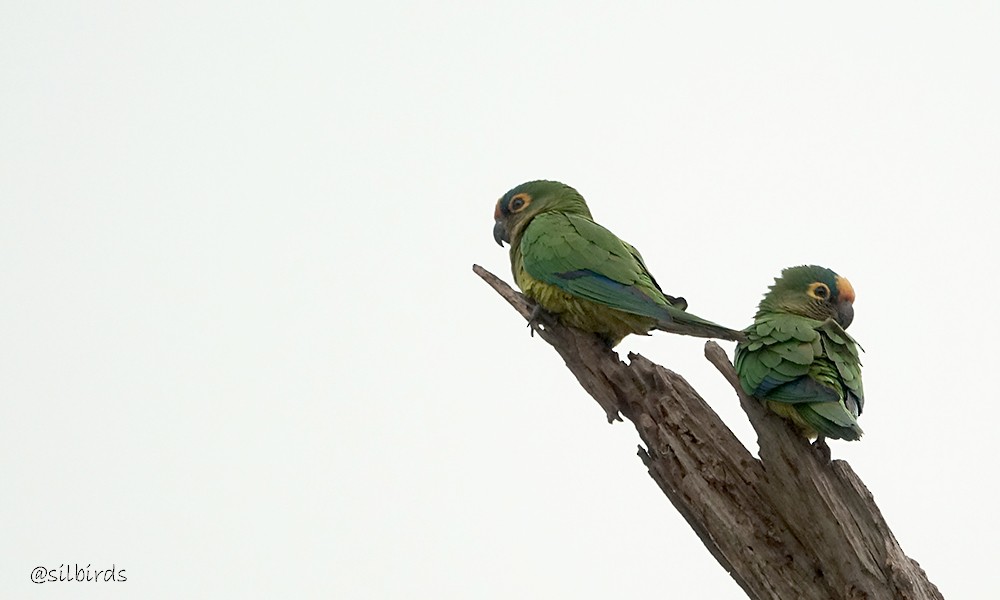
(243, 354)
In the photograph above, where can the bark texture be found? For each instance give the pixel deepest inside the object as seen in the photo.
(791, 525)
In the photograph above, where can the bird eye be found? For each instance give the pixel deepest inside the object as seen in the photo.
(818, 290)
(518, 202)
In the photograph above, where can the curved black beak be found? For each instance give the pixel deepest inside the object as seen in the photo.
(845, 314)
(500, 233)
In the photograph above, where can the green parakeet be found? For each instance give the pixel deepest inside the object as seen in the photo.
(797, 358)
(581, 272)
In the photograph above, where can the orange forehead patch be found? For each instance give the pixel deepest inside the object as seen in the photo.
(496, 211)
(845, 289)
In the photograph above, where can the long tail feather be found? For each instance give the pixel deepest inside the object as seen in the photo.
(702, 330)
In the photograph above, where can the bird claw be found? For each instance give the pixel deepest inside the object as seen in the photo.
(822, 449)
(538, 319)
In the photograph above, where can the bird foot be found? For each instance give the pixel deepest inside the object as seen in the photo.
(822, 449)
(539, 319)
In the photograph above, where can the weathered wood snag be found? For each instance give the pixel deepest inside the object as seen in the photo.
(790, 525)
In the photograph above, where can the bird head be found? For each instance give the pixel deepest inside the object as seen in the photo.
(813, 292)
(518, 206)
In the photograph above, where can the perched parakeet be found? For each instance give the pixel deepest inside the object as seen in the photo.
(581, 272)
(797, 358)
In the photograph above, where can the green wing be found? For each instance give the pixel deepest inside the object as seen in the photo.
(588, 261)
(675, 301)
(841, 348)
(779, 349)
(808, 364)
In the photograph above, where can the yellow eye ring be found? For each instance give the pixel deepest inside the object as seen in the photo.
(519, 202)
(818, 290)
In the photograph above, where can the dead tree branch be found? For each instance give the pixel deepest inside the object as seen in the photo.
(787, 526)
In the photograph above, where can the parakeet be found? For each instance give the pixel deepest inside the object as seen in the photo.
(581, 272)
(797, 358)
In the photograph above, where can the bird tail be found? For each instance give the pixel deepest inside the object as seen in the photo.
(685, 323)
(830, 419)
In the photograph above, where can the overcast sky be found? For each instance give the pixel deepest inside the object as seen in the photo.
(243, 353)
